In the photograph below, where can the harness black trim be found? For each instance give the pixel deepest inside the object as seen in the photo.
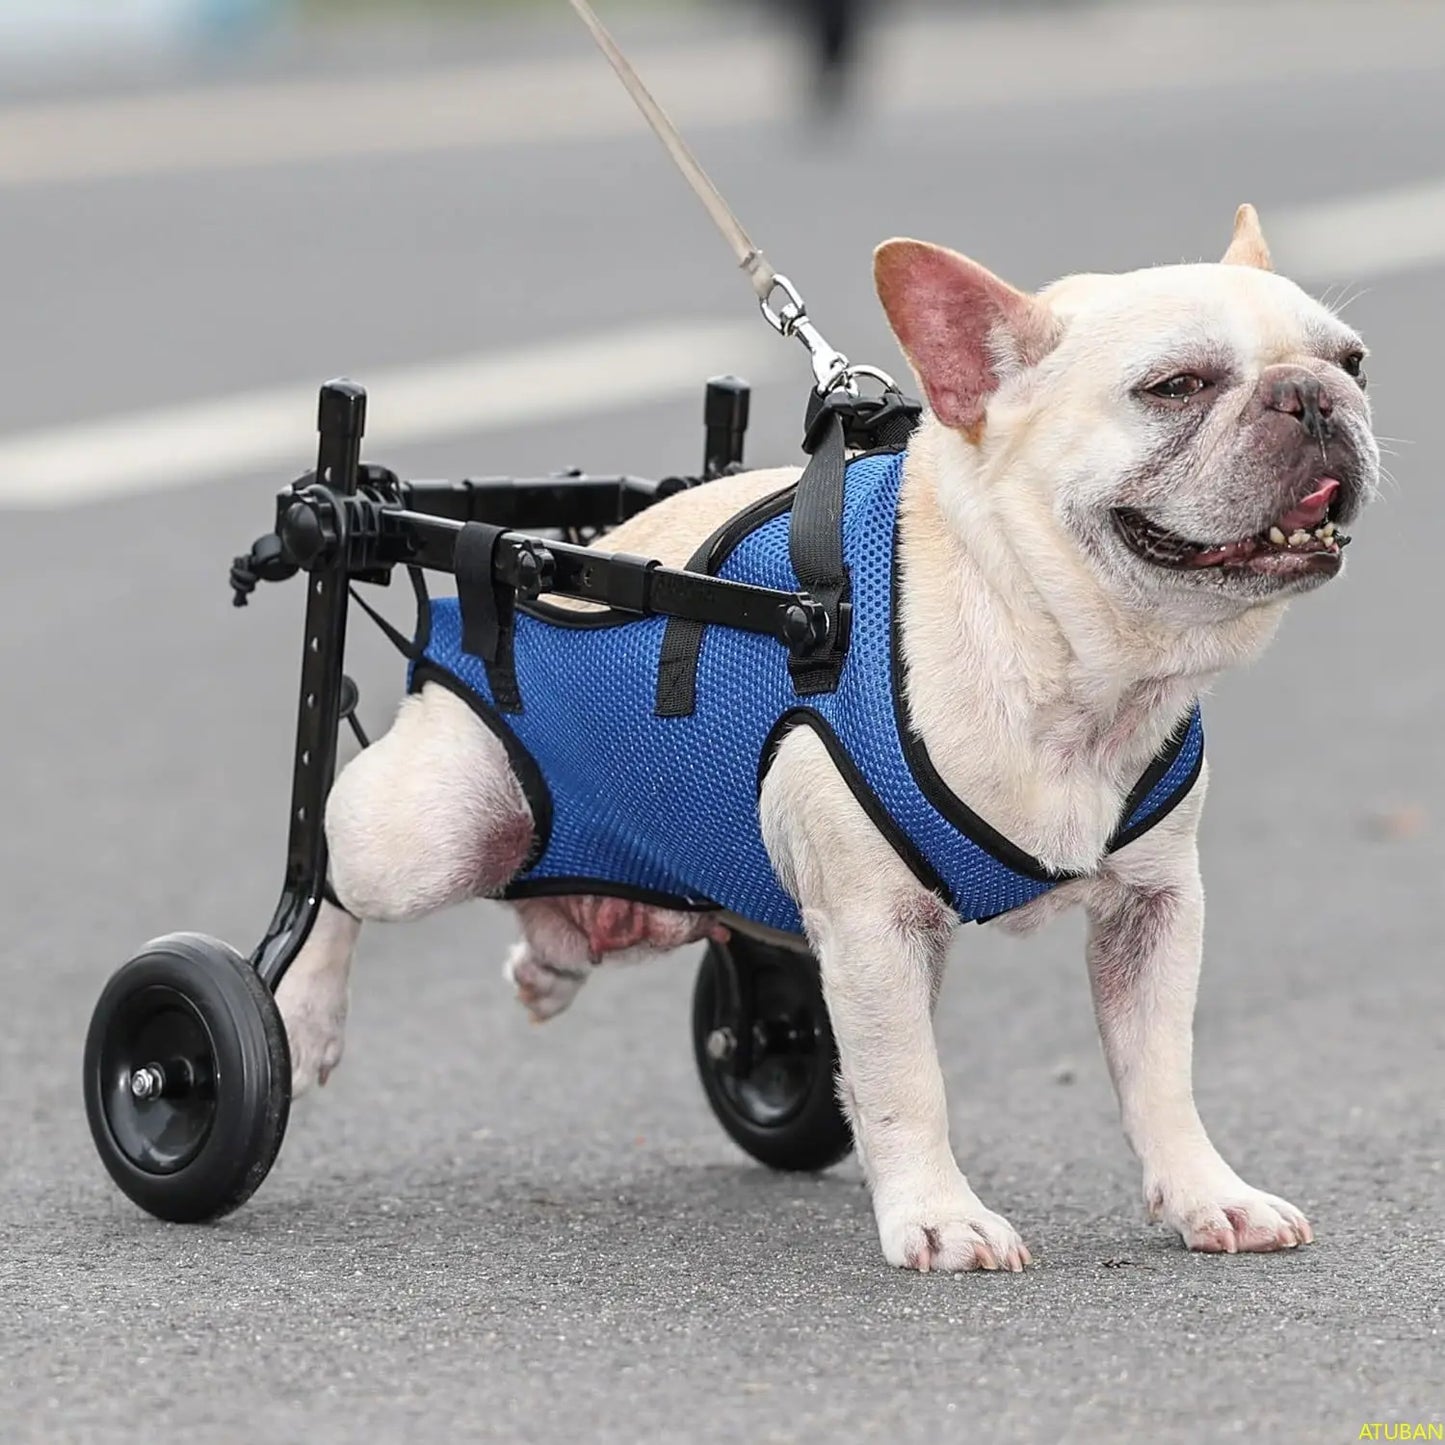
(524, 765)
(1157, 770)
(932, 786)
(962, 817)
(868, 800)
(569, 887)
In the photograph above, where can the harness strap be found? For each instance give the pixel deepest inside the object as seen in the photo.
(410, 648)
(488, 611)
(677, 668)
(680, 654)
(815, 546)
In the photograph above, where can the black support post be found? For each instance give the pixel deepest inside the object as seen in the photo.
(725, 416)
(341, 421)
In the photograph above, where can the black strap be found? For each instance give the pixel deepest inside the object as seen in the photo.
(815, 548)
(409, 647)
(677, 666)
(682, 642)
(681, 650)
(488, 610)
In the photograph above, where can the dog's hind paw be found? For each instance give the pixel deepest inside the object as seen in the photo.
(1229, 1218)
(544, 989)
(951, 1236)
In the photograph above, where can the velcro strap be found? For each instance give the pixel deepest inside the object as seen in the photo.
(482, 601)
(488, 610)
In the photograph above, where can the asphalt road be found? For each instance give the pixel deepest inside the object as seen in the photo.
(485, 1230)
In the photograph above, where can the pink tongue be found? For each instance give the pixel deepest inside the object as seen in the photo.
(1310, 511)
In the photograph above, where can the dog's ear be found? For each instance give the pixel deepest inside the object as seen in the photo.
(1248, 246)
(961, 328)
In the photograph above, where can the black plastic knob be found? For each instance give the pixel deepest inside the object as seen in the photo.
(304, 533)
(803, 629)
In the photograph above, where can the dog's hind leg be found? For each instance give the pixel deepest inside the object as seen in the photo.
(564, 939)
(552, 959)
(313, 997)
(430, 814)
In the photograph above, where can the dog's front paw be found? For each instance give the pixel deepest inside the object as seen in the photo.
(951, 1233)
(1224, 1215)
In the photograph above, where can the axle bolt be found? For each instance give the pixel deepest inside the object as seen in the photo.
(147, 1083)
(721, 1045)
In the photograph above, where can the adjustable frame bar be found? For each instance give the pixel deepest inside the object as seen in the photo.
(376, 536)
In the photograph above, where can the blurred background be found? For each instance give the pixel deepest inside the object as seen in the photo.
(207, 207)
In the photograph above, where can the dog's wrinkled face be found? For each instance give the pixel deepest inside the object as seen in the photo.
(1201, 432)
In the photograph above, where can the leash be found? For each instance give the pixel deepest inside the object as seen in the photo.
(837, 417)
(788, 316)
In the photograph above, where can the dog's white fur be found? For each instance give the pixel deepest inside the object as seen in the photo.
(1044, 672)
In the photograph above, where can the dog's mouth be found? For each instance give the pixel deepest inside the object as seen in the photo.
(1302, 540)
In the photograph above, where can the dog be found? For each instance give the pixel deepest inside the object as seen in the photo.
(1117, 487)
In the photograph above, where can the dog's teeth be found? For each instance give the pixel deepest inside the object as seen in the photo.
(1328, 530)
(1299, 538)
(1276, 536)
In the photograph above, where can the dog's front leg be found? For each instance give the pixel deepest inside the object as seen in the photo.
(881, 938)
(1146, 929)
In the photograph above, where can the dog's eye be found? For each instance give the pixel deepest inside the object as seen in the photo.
(1354, 365)
(1178, 388)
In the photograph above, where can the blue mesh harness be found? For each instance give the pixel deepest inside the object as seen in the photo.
(664, 808)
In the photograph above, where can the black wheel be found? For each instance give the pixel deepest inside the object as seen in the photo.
(187, 1078)
(766, 1054)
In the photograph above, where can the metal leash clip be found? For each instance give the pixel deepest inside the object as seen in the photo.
(832, 371)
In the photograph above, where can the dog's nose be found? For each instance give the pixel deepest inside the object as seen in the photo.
(1304, 398)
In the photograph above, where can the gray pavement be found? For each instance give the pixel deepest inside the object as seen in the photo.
(484, 1230)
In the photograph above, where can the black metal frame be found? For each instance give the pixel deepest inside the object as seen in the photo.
(347, 522)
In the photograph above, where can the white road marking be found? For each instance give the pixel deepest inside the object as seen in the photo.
(480, 107)
(928, 64)
(201, 441)
(1361, 236)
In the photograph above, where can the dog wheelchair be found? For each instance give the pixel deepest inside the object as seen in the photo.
(187, 1069)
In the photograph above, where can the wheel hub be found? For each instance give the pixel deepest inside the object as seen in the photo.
(158, 1071)
(764, 1061)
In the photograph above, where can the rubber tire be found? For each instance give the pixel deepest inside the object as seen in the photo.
(252, 1069)
(815, 1134)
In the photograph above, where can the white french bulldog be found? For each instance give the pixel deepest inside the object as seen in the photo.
(1120, 484)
